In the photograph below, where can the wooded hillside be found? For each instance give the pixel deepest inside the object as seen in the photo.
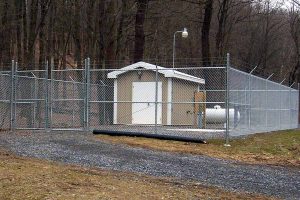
(264, 33)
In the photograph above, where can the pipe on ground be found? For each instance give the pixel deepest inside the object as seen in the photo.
(148, 135)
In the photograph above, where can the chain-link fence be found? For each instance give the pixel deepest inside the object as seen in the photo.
(68, 99)
(191, 100)
(260, 105)
(5, 100)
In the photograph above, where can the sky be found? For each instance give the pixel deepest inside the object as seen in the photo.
(286, 3)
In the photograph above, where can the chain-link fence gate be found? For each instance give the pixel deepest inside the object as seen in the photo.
(192, 100)
(28, 98)
(68, 98)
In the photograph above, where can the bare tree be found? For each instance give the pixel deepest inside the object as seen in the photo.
(294, 21)
(208, 12)
(222, 19)
(68, 31)
(44, 6)
(139, 30)
(5, 34)
(296, 2)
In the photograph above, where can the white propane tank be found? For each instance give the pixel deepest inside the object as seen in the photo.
(218, 115)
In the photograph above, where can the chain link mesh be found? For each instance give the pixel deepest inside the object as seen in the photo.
(260, 105)
(5, 99)
(29, 99)
(67, 108)
(188, 100)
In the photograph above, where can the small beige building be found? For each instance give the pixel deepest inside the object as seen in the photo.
(135, 91)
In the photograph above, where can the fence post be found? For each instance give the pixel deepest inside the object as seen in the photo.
(266, 105)
(73, 97)
(35, 105)
(15, 82)
(87, 93)
(46, 97)
(266, 101)
(84, 97)
(227, 100)
(298, 106)
(250, 91)
(290, 108)
(280, 90)
(249, 104)
(156, 94)
(51, 93)
(12, 103)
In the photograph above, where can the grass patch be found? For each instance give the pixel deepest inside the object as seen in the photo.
(23, 178)
(276, 148)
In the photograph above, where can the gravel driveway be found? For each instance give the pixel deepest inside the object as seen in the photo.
(80, 148)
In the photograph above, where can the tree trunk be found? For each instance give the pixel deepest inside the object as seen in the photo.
(50, 38)
(42, 36)
(214, 79)
(205, 32)
(30, 57)
(5, 36)
(25, 33)
(110, 43)
(139, 41)
(18, 12)
(120, 34)
(222, 16)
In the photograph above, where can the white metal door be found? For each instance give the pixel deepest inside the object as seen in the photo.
(144, 112)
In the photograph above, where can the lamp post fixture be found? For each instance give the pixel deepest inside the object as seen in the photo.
(184, 34)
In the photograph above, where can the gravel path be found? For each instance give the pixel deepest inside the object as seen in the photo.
(82, 149)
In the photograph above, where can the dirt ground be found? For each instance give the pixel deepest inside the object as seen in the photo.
(280, 148)
(24, 178)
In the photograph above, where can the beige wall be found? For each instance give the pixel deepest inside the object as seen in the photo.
(183, 91)
(124, 113)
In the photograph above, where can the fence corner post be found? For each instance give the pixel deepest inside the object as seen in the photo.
(227, 100)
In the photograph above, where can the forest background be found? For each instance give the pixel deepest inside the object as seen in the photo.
(114, 33)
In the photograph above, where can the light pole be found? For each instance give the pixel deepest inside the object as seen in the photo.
(184, 34)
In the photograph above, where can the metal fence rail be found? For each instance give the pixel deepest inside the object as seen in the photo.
(192, 100)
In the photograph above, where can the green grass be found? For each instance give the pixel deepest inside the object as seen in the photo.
(282, 143)
(276, 148)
